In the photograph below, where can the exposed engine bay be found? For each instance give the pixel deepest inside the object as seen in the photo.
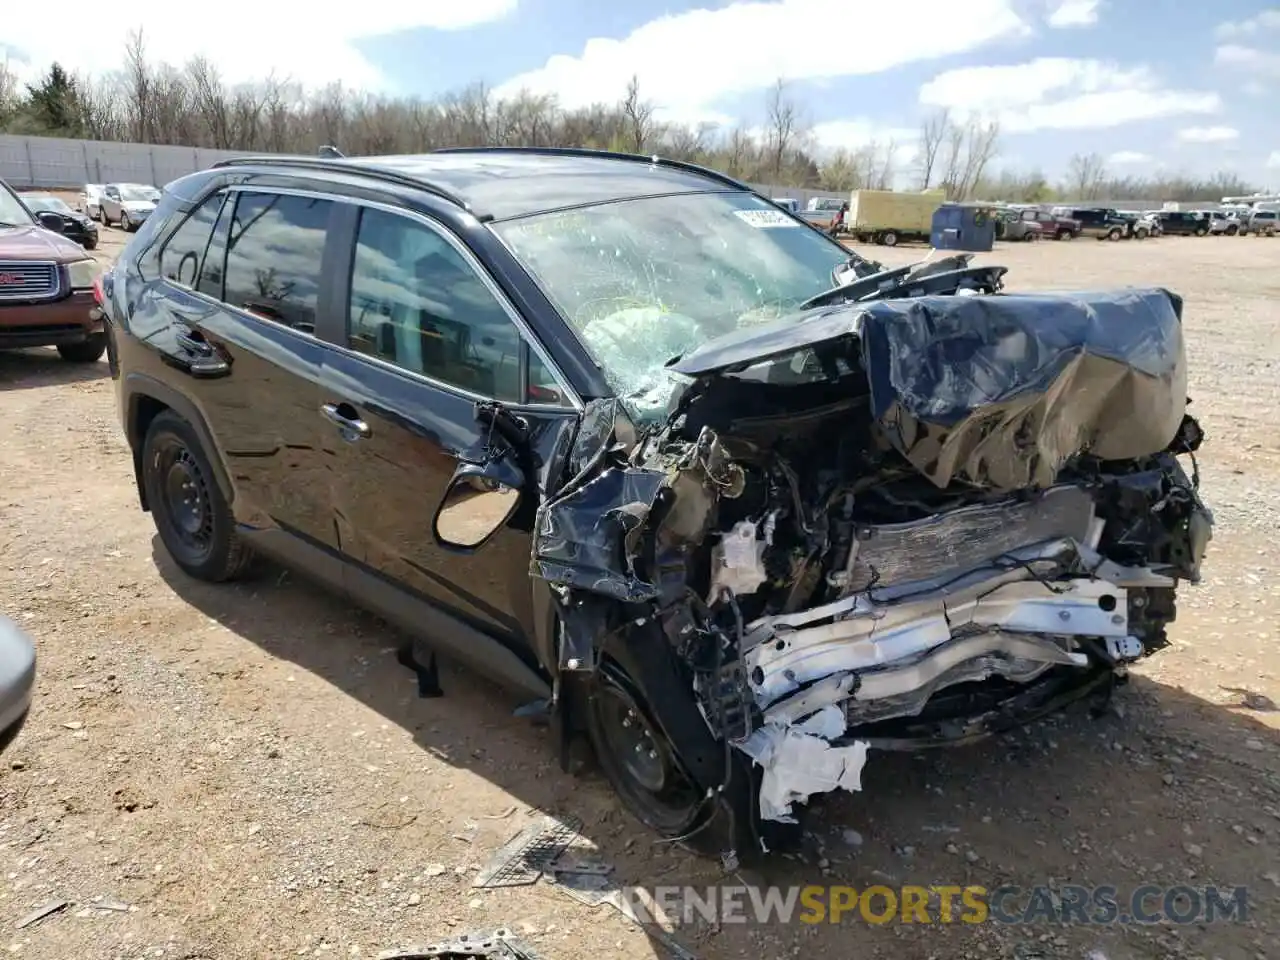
(919, 512)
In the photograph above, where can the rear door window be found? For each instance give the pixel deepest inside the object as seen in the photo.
(274, 247)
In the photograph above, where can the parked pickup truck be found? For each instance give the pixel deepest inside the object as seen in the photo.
(1054, 225)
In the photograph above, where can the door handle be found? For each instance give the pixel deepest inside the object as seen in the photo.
(352, 427)
(205, 361)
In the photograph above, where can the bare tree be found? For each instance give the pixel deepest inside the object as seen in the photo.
(980, 139)
(639, 116)
(932, 134)
(784, 125)
(192, 106)
(1085, 175)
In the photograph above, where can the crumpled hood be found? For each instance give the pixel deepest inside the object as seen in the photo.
(37, 243)
(999, 391)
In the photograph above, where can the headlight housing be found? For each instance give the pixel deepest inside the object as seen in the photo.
(82, 273)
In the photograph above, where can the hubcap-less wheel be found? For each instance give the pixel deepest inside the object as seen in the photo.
(639, 758)
(187, 509)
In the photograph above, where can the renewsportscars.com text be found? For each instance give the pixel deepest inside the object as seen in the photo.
(940, 904)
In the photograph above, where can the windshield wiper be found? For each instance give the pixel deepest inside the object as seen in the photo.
(872, 286)
(857, 289)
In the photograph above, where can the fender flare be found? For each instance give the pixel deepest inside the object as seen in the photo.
(134, 388)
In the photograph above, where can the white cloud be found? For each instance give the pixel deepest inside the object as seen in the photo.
(1061, 93)
(688, 62)
(1253, 60)
(308, 46)
(1208, 134)
(1265, 20)
(857, 133)
(1127, 158)
(1074, 13)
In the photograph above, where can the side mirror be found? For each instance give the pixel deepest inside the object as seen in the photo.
(50, 220)
(480, 500)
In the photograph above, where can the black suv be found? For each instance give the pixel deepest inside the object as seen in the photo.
(622, 434)
(1184, 223)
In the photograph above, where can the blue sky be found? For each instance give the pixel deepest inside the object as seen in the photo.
(1151, 84)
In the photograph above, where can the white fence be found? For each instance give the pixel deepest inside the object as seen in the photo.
(50, 163)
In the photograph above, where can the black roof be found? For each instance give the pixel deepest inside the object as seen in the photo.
(501, 183)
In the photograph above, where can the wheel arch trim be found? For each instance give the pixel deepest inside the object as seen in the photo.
(136, 388)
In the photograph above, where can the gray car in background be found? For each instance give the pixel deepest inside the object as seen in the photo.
(128, 204)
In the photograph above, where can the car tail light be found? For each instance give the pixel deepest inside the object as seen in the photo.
(98, 297)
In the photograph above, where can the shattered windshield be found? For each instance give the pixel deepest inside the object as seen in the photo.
(642, 281)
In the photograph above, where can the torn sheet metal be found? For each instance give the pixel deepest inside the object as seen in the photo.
(999, 391)
(859, 634)
(524, 858)
(494, 945)
(799, 761)
(587, 538)
(907, 557)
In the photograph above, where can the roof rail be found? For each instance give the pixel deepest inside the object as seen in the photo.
(687, 167)
(334, 165)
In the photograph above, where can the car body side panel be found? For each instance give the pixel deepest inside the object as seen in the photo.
(388, 486)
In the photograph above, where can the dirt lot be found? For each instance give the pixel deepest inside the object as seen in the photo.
(249, 770)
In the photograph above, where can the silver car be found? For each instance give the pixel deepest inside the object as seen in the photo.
(89, 201)
(128, 204)
(1261, 223)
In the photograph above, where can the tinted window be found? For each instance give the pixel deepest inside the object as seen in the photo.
(183, 257)
(416, 302)
(274, 248)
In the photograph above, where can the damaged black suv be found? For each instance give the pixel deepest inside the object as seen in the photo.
(737, 505)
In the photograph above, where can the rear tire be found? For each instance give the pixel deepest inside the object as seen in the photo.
(890, 239)
(89, 351)
(191, 515)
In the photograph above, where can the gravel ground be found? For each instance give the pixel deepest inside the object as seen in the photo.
(245, 771)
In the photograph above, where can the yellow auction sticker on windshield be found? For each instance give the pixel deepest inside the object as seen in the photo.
(764, 219)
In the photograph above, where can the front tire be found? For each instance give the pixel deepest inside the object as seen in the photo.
(1201, 231)
(890, 239)
(89, 351)
(680, 810)
(125, 223)
(191, 515)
